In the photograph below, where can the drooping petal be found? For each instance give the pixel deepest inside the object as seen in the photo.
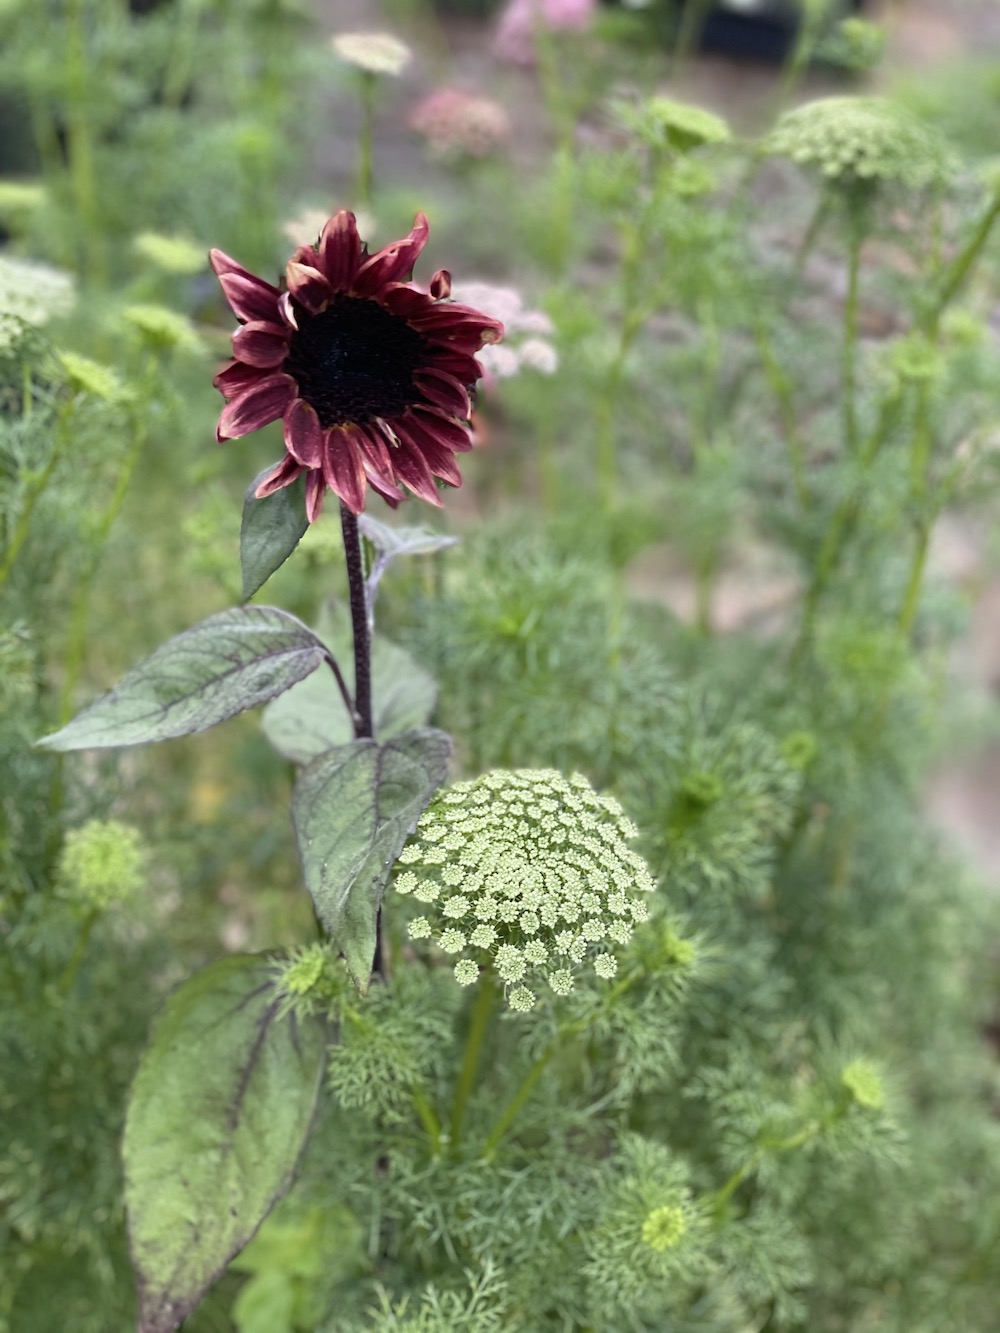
(260, 343)
(463, 365)
(340, 250)
(440, 287)
(304, 434)
(454, 434)
(234, 377)
(308, 286)
(412, 470)
(377, 462)
(249, 297)
(448, 319)
(443, 391)
(287, 310)
(435, 453)
(392, 262)
(404, 301)
(315, 491)
(256, 406)
(283, 474)
(343, 468)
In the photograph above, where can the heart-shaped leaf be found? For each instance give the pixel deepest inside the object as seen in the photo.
(270, 530)
(220, 1111)
(230, 662)
(353, 809)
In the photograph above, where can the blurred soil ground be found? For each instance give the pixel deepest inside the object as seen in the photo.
(963, 795)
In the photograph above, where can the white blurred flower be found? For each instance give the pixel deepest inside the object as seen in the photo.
(373, 52)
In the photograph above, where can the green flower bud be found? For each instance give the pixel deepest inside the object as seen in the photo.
(664, 1228)
(864, 1083)
(101, 864)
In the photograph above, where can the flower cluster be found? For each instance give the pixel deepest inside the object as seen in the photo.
(528, 873)
(519, 25)
(527, 333)
(370, 375)
(456, 124)
(102, 863)
(31, 293)
(858, 139)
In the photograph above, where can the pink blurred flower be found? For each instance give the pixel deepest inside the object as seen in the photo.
(515, 39)
(458, 124)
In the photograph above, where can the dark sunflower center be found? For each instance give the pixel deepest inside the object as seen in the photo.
(354, 361)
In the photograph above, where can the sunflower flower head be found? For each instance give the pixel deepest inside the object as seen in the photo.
(857, 140)
(529, 874)
(370, 376)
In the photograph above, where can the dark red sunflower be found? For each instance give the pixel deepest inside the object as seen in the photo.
(370, 375)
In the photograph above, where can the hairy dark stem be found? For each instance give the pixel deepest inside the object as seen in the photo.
(359, 622)
(363, 728)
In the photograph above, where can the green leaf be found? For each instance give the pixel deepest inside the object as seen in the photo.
(270, 530)
(353, 809)
(311, 718)
(220, 1111)
(391, 542)
(228, 663)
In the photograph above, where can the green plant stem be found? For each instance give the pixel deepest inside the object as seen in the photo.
(427, 1117)
(962, 264)
(366, 173)
(34, 494)
(781, 386)
(565, 1031)
(689, 29)
(482, 1012)
(808, 1132)
(79, 953)
(849, 350)
(76, 648)
(80, 143)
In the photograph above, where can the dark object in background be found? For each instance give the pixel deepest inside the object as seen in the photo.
(760, 29)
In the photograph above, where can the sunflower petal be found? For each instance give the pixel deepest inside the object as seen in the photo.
(315, 491)
(454, 434)
(234, 377)
(435, 451)
(308, 286)
(249, 297)
(304, 434)
(281, 475)
(256, 406)
(260, 343)
(443, 391)
(340, 250)
(343, 468)
(392, 262)
(440, 287)
(412, 470)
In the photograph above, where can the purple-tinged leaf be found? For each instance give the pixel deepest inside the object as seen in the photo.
(270, 530)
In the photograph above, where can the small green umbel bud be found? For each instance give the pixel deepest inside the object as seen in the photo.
(858, 140)
(311, 978)
(664, 1228)
(528, 874)
(862, 1080)
(101, 864)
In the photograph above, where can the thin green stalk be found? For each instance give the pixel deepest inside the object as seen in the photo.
(962, 264)
(427, 1117)
(781, 386)
(849, 350)
(79, 951)
(482, 1012)
(80, 143)
(76, 648)
(34, 494)
(514, 1107)
(812, 232)
(689, 30)
(366, 174)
